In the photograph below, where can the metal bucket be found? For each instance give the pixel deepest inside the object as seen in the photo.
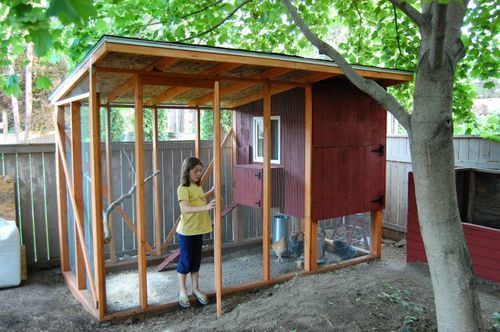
(279, 228)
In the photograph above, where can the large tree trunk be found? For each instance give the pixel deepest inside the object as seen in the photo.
(431, 137)
(28, 90)
(5, 121)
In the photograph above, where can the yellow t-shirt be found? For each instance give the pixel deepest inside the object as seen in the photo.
(193, 223)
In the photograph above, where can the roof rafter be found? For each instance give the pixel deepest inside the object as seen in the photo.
(161, 64)
(280, 88)
(219, 69)
(268, 74)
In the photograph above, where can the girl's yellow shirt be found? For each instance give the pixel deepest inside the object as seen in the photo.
(193, 223)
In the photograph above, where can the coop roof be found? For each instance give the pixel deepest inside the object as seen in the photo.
(182, 74)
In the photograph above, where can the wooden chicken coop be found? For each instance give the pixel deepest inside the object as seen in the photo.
(301, 174)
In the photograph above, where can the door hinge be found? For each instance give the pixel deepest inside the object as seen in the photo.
(379, 200)
(258, 175)
(380, 150)
(258, 203)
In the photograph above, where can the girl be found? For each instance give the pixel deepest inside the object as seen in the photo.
(195, 222)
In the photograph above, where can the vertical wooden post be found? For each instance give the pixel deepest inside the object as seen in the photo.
(471, 196)
(197, 151)
(140, 202)
(61, 194)
(76, 166)
(376, 247)
(237, 236)
(266, 185)
(109, 183)
(96, 194)
(218, 199)
(156, 184)
(310, 226)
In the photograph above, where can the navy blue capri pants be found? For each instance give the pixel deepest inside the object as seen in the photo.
(190, 253)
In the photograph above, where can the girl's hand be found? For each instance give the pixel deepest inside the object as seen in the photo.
(210, 205)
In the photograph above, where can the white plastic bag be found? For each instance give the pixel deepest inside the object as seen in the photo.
(10, 254)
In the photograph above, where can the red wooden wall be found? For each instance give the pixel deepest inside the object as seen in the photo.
(347, 126)
(289, 106)
(483, 242)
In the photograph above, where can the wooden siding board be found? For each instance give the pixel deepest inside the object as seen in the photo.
(38, 206)
(288, 191)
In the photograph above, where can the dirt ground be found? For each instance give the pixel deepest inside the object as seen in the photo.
(385, 295)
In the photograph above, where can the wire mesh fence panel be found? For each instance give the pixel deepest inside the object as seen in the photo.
(344, 238)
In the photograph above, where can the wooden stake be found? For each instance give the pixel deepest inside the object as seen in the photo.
(76, 171)
(109, 188)
(156, 184)
(96, 194)
(140, 201)
(61, 194)
(376, 248)
(266, 185)
(218, 199)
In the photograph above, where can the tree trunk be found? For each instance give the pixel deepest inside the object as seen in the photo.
(28, 90)
(431, 139)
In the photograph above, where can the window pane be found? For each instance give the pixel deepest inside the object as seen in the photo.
(275, 140)
(260, 139)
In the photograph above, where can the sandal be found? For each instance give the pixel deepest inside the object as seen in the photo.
(202, 298)
(183, 301)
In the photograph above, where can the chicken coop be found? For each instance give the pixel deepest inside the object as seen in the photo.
(299, 177)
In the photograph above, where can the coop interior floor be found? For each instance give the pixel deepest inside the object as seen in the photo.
(238, 267)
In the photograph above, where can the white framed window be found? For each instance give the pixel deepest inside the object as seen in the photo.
(258, 139)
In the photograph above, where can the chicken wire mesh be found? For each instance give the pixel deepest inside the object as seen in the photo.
(344, 238)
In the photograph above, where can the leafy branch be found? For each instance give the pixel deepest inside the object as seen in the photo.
(368, 86)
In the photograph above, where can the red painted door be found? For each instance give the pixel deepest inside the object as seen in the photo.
(247, 185)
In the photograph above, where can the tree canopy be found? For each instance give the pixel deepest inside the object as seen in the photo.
(368, 32)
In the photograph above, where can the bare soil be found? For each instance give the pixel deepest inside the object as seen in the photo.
(385, 295)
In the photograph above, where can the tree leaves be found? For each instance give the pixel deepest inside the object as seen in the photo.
(72, 11)
(43, 82)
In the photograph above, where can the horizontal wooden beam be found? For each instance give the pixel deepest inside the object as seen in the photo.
(239, 86)
(70, 100)
(250, 59)
(169, 80)
(173, 92)
(161, 64)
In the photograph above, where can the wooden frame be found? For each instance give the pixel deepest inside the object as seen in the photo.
(274, 73)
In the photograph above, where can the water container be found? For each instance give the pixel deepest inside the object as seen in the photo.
(10, 254)
(279, 228)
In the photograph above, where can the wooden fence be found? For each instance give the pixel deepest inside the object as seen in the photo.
(473, 152)
(33, 167)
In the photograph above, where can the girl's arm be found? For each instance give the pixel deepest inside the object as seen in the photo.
(188, 208)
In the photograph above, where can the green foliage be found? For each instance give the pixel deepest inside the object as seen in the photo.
(365, 31)
(207, 123)
(43, 83)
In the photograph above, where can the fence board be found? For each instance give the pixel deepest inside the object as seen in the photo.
(470, 152)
